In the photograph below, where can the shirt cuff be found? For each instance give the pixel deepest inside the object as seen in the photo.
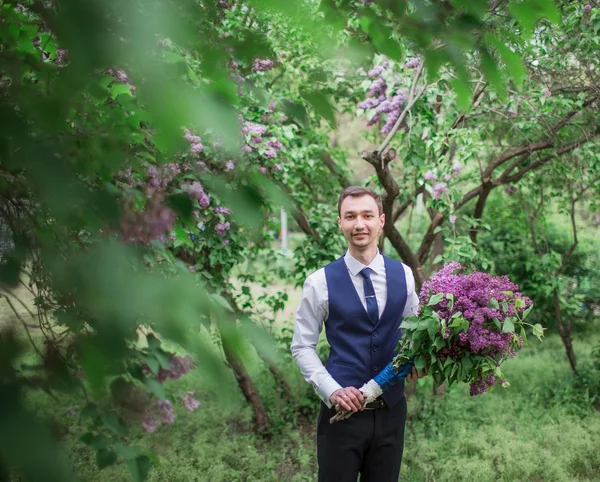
(326, 388)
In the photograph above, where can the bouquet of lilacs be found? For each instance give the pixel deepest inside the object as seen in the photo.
(467, 325)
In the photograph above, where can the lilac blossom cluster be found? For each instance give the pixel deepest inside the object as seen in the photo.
(196, 191)
(481, 300)
(147, 225)
(160, 177)
(178, 366)
(195, 141)
(255, 136)
(441, 188)
(385, 101)
(262, 65)
(161, 412)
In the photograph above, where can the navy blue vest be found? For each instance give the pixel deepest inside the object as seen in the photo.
(360, 349)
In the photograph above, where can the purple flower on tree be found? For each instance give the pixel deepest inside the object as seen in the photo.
(439, 189)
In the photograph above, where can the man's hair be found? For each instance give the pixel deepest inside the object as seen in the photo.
(358, 191)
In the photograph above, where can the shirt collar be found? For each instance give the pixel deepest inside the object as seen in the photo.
(355, 266)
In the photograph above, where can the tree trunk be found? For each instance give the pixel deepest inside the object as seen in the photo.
(261, 420)
(565, 333)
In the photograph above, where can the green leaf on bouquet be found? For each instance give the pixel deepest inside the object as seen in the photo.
(497, 323)
(435, 299)
(509, 293)
(493, 303)
(523, 335)
(460, 324)
(509, 325)
(407, 324)
(526, 312)
(433, 327)
(467, 364)
(538, 331)
(519, 303)
(439, 342)
(419, 363)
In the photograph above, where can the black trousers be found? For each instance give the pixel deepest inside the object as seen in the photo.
(369, 443)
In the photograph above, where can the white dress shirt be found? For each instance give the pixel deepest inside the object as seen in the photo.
(314, 311)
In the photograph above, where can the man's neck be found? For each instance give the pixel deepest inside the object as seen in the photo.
(365, 256)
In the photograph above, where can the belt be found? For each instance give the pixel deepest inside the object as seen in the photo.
(375, 404)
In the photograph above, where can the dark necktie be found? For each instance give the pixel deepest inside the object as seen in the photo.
(372, 309)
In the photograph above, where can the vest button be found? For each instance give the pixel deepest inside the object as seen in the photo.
(375, 348)
(375, 334)
(375, 368)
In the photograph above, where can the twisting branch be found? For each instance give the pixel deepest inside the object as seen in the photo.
(536, 146)
(505, 178)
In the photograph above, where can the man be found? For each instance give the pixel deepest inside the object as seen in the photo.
(362, 299)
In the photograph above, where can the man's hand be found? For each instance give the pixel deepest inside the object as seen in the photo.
(348, 398)
(414, 376)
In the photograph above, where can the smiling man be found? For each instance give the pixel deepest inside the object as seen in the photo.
(361, 299)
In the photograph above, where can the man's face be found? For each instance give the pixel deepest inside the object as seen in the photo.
(360, 221)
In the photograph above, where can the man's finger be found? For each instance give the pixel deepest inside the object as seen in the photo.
(353, 400)
(359, 395)
(342, 403)
(347, 402)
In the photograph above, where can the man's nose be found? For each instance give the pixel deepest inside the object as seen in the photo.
(359, 222)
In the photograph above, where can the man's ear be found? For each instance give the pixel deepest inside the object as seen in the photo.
(339, 222)
(382, 220)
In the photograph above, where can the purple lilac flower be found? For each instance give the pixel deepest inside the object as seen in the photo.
(246, 148)
(262, 169)
(430, 176)
(262, 65)
(222, 210)
(452, 218)
(275, 144)
(189, 401)
(378, 87)
(197, 148)
(225, 242)
(272, 106)
(229, 166)
(376, 71)
(370, 103)
(150, 423)
(222, 228)
(547, 93)
(191, 269)
(270, 153)
(587, 8)
(439, 189)
(413, 63)
(510, 190)
(165, 408)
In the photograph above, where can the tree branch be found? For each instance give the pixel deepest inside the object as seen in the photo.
(333, 168)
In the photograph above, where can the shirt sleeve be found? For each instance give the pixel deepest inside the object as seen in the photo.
(412, 298)
(310, 317)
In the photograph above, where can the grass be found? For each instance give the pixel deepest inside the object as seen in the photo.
(540, 429)
(545, 427)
